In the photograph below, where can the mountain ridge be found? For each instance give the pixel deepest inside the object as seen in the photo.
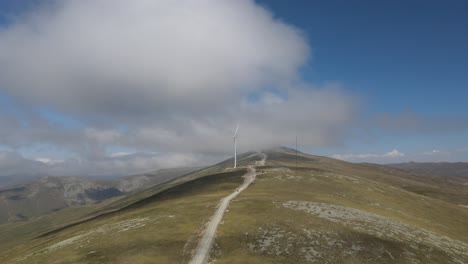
(292, 212)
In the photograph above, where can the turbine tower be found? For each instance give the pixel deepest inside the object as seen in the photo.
(235, 146)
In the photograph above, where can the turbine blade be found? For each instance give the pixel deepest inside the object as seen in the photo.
(237, 129)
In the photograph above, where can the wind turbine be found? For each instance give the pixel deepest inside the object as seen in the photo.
(235, 146)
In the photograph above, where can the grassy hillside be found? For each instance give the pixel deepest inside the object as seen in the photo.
(49, 194)
(15, 233)
(322, 211)
(311, 215)
(153, 230)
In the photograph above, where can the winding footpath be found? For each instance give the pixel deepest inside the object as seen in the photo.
(203, 249)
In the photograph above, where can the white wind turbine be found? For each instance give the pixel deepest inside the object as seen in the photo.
(235, 146)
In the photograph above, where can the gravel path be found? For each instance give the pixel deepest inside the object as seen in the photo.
(203, 249)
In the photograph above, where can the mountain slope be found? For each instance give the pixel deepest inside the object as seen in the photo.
(456, 172)
(48, 194)
(322, 211)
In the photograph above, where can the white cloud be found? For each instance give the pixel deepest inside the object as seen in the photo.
(394, 153)
(439, 155)
(102, 136)
(129, 57)
(163, 76)
(120, 154)
(433, 152)
(410, 122)
(370, 156)
(120, 164)
(13, 164)
(49, 161)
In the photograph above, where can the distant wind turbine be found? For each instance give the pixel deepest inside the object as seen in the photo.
(235, 146)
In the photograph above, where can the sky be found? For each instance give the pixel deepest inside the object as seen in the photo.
(109, 88)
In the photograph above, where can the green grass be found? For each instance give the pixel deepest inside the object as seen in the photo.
(171, 219)
(259, 209)
(163, 224)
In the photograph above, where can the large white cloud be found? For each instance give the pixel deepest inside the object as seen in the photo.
(137, 56)
(165, 76)
(318, 116)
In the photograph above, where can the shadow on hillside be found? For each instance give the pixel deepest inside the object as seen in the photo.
(193, 187)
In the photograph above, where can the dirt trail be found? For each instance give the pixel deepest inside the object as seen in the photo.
(203, 249)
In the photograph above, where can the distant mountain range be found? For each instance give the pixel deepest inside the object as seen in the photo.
(11, 180)
(47, 194)
(451, 171)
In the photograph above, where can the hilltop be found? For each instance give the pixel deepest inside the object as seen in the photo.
(299, 209)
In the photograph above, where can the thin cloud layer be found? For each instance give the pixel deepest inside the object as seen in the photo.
(16, 168)
(410, 122)
(396, 156)
(165, 77)
(393, 155)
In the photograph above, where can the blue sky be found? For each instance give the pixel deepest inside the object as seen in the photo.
(400, 56)
(377, 81)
